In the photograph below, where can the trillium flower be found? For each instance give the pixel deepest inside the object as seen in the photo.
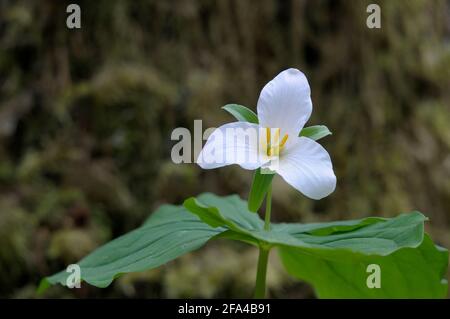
(283, 108)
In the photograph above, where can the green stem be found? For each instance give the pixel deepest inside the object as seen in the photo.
(260, 289)
(268, 208)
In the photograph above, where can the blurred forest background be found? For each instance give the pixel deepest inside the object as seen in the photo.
(86, 117)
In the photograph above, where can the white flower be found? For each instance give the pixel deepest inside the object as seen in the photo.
(284, 106)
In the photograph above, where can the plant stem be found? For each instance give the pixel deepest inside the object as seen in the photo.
(268, 208)
(260, 288)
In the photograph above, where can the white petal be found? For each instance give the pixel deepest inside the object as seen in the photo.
(285, 102)
(306, 165)
(232, 143)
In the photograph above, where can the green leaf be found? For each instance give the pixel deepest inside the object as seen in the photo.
(229, 212)
(260, 185)
(406, 273)
(367, 236)
(333, 256)
(322, 229)
(241, 113)
(315, 132)
(169, 233)
(340, 251)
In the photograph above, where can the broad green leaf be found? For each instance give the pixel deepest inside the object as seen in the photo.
(169, 233)
(321, 229)
(315, 132)
(260, 186)
(346, 248)
(333, 256)
(406, 273)
(241, 113)
(229, 211)
(367, 236)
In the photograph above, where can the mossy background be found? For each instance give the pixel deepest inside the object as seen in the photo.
(86, 117)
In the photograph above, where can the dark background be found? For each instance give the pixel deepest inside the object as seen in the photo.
(86, 117)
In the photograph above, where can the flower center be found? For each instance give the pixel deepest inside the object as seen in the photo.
(274, 146)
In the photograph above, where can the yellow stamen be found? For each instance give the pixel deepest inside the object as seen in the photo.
(275, 147)
(269, 140)
(283, 141)
(276, 136)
